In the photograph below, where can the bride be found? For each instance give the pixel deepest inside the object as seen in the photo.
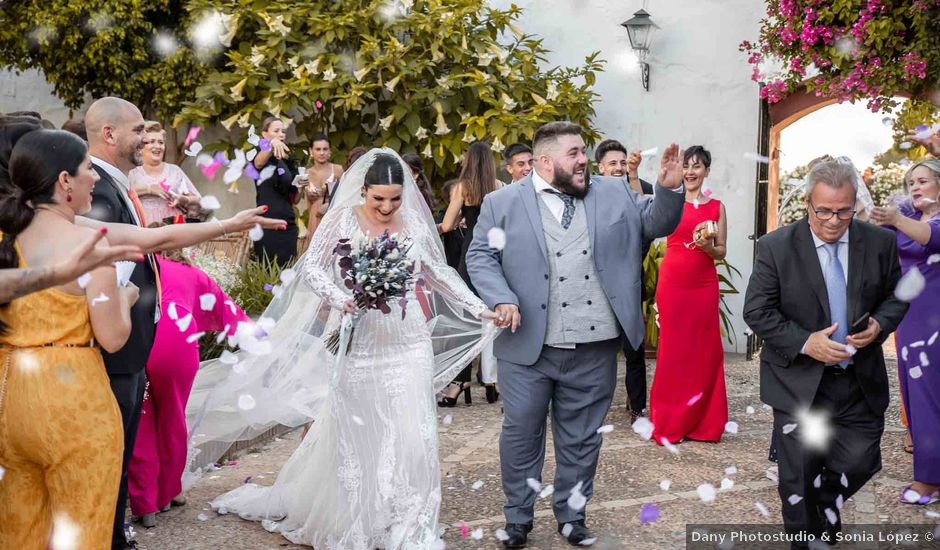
(367, 473)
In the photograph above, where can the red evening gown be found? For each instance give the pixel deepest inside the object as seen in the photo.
(688, 398)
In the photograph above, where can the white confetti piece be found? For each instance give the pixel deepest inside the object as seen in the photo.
(183, 322)
(726, 484)
(904, 353)
(840, 502)
(204, 159)
(731, 470)
(2, 470)
(665, 484)
(288, 275)
(794, 499)
(767, 407)
(477, 534)
(447, 419)
(706, 492)
(787, 428)
(266, 173)
(915, 372)
(496, 238)
(231, 307)
(194, 337)
(605, 429)
(817, 483)
(762, 509)
(64, 533)
(911, 285)
(202, 517)
(924, 361)
(749, 409)
(478, 484)
(207, 301)
(933, 338)
(917, 344)
(501, 535)
(358, 421)
(694, 399)
(228, 358)
(850, 349)
(588, 542)
(905, 145)
(757, 157)
(771, 474)
(649, 152)
(643, 427)
(831, 516)
(566, 530)
(932, 514)
(123, 271)
(246, 402)
(171, 311)
(534, 484)
(576, 500)
(100, 299)
(547, 491)
(669, 446)
(731, 427)
(255, 233)
(815, 429)
(209, 202)
(933, 258)
(194, 149)
(84, 280)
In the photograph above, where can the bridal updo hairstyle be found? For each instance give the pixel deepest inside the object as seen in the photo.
(386, 169)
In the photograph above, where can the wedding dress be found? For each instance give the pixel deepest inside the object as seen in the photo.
(367, 474)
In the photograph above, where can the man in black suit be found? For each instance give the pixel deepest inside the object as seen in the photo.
(613, 160)
(821, 296)
(115, 131)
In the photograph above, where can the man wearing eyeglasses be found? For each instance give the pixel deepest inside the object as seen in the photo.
(821, 296)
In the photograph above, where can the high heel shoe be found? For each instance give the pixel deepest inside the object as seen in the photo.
(449, 402)
(492, 394)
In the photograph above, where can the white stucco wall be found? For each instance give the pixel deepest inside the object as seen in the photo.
(700, 93)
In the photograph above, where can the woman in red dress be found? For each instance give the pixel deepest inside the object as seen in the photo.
(688, 399)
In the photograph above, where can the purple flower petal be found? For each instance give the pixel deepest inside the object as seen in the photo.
(220, 158)
(252, 172)
(268, 287)
(649, 513)
(280, 171)
(264, 144)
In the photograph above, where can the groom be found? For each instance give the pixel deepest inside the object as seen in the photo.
(567, 285)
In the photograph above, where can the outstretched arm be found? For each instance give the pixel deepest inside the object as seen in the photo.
(484, 264)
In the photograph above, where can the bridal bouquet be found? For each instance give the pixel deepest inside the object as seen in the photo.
(378, 271)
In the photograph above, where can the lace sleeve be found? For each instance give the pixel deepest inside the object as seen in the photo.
(442, 278)
(317, 269)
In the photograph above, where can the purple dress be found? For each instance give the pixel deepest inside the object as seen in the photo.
(917, 340)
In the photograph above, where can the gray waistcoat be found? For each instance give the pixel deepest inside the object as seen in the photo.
(578, 309)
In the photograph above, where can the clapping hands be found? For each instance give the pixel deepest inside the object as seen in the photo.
(670, 167)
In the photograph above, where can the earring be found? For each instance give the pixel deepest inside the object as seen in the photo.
(68, 196)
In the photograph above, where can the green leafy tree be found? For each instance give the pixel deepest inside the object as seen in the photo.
(134, 49)
(869, 50)
(429, 76)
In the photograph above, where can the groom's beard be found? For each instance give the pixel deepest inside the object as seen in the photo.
(564, 182)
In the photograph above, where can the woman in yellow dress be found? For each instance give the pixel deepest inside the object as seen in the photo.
(60, 428)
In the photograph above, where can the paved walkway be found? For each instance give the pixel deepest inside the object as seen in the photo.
(629, 475)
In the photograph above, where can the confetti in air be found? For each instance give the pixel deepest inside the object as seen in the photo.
(905, 145)
(100, 299)
(669, 446)
(194, 337)
(207, 301)
(357, 420)
(694, 399)
(194, 149)
(915, 372)
(64, 533)
(209, 202)
(165, 44)
(496, 238)
(643, 427)
(246, 402)
(787, 428)
(815, 429)
(652, 151)
(911, 285)
(534, 484)
(576, 500)
(794, 499)
(255, 233)
(757, 157)
(84, 280)
(183, 323)
(831, 516)
(567, 529)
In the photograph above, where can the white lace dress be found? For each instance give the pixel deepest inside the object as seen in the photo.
(367, 474)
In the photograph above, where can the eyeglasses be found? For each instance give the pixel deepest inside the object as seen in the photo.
(828, 214)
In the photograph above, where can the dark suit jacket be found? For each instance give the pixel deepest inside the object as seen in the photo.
(108, 205)
(786, 300)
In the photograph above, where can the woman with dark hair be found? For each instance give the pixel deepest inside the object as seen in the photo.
(53, 387)
(276, 191)
(688, 398)
(916, 220)
(322, 178)
(417, 172)
(367, 475)
(477, 179)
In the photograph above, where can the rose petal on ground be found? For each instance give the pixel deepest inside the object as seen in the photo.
(607, 428)
(477, 534)
(447, 419)
(706, 492)
(202, 517)
(477, 485)
(762, 509)
(588, 542)
(731, 470)
(665, 484)
(749, 409)
(547, 491)
(731, 427)
(643, 427)
(831, 516)
(501, 535)
(726, 484)
(649, 513)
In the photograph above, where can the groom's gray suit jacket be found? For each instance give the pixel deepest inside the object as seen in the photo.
(618, 220)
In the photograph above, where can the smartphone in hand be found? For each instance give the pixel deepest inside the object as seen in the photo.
(860, 324)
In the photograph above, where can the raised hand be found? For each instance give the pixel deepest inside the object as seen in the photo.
(670, 167)
(633, 162)
(885, 215)
(279, 149)
(931, 142)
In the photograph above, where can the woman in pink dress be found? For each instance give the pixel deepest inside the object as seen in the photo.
(192, 304)
(688, 399)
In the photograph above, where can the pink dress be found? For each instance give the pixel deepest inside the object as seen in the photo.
(172, 178)
(156, 467)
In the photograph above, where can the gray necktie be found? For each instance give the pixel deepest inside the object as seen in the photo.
(569, 207)
(836, 288)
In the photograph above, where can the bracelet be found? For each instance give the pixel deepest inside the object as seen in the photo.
(222, 227)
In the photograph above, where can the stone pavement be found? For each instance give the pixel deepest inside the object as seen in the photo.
(629, 475)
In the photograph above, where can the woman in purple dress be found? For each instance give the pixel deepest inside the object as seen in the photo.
(916, 220)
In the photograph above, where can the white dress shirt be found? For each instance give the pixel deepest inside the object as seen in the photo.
(547, 193)
(122, 180)
(823, 256)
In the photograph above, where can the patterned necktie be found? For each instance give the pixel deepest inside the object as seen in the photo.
(569, 207)
(139, 208)
(836, 288)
